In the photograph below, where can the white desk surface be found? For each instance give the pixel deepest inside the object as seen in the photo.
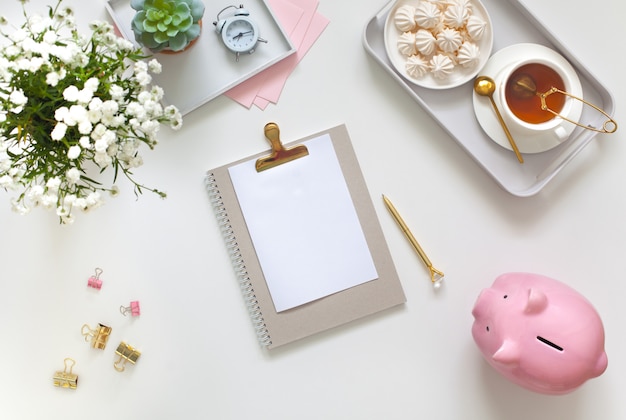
(200, 359)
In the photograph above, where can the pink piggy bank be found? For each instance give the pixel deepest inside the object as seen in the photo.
(539, 333)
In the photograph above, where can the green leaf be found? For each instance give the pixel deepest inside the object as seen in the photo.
(161, 37)
(182, 9)
(186, 24)
(193, 32)
(179, 42)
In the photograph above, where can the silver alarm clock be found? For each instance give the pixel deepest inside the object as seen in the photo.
(240, 33)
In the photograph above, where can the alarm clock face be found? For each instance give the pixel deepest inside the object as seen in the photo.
(240, 34)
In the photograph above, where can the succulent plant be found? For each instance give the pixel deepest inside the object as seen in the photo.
(166, 24)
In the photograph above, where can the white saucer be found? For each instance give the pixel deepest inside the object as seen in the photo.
(485, 114)
(460, 74)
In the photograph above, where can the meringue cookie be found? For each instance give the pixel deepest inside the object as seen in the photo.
(455, 16)
(476, 27)
(427, 15)
(441, 4)
(449, 40)
(404, 18)
(464, 3)
(425, 42)
(441, 66)
(468, 54)
(406, 44)
(417, 66)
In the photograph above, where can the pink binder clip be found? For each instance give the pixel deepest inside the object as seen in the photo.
(133, 309)
(94, 281)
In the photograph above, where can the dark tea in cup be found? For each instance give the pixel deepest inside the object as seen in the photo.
(527, 107)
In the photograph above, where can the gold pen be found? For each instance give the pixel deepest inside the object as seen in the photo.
(436, 276)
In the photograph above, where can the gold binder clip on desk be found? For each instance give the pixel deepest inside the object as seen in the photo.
(127, 353)
(279, 153)
(66, 379)
(98, 336)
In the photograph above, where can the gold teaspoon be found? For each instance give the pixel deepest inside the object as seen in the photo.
(485, 86)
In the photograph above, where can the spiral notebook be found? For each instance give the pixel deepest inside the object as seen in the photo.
(303, 236)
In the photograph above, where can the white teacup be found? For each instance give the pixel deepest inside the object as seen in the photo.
(555, 130)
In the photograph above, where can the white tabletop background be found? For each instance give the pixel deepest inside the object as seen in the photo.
(200, 358)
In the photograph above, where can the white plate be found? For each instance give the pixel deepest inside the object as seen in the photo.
(486, 116)
(460, 74)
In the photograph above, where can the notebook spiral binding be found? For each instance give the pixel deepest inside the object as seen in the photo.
(237, 261)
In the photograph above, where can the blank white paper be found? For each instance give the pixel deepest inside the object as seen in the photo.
(304, 227)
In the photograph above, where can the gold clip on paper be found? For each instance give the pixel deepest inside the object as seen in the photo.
(127, 353)
(65, 378)
(98, 336)
(279, 153)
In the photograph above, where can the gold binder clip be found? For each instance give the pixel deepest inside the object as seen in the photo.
(65, 378)
(127, 353)
(98, 336)
(279, 153)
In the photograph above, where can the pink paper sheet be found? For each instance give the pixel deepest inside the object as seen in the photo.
(303, 25)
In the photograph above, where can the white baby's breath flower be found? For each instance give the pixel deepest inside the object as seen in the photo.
(68, 200)
(61, 113)
(94, 199)
(110, 107)
(85, 142)
(101, 145)
(95, 104)
(177, 124)
(62, 211)
(35, 194)
(150, 127)
(53, 184)
(116, 120)
(59, 131)
(18, 98)
(80, 203)
(157, 93)
(102, 159)
(73, 152)
(48, 200)
(143, 79)
(117, 92)
(71, 93)
(144, 96)
(6, 181)
(72, 175)
(94, 115)
(98, 131)
(52, 78)
(50, 37)
(135, 162)
(85, 127)
(19, 207)
(84, 96)
(154, 66)
(18, 36)
(124, 44)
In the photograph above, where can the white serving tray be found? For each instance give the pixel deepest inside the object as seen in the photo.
(453, 108)
(207, 69)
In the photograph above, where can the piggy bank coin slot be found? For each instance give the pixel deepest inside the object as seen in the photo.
(549, 343)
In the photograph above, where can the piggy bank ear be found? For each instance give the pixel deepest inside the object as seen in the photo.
(508, 353)
(537, 301)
